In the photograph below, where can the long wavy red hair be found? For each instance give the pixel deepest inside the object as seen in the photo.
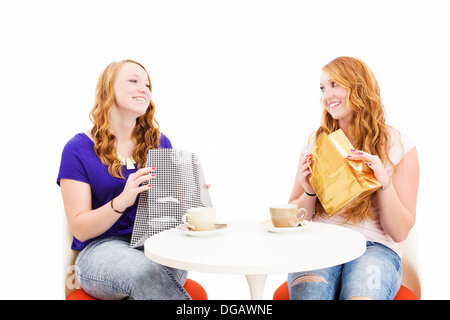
(368, 127)
(145, 134)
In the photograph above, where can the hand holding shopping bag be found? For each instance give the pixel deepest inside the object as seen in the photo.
(336, 179)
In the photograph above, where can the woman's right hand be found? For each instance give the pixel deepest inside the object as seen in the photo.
(303, 174)
(133, 187)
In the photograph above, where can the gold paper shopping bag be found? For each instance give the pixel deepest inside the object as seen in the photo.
(337, 180)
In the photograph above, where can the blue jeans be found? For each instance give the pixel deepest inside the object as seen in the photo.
(376, 274)
(109, 269)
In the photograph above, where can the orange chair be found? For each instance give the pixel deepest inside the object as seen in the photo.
(73, 290)
(410, 272)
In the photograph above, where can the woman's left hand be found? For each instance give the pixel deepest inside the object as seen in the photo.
(373, 162)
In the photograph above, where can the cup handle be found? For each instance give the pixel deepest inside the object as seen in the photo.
(300, 220)
(185, 221)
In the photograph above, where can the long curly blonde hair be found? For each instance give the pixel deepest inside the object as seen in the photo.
(145, 134)
(368, 127)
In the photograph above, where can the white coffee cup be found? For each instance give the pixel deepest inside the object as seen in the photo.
(200, 219)
(286, 215)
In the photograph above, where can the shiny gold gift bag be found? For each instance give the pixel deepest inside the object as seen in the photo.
(337, 180)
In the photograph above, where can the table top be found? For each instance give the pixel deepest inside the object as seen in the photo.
(247, 247)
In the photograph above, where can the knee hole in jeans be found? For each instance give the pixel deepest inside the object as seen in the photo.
(360, 298)
(308, 278)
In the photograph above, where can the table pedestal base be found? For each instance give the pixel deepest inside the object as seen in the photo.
(256, 283)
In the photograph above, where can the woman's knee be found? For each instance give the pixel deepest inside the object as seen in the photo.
(313, 285)
(308, 278)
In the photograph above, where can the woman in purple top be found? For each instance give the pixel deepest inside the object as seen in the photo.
(101, 176)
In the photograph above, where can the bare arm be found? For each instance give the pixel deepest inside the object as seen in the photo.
(397, 203)
(302, 184)
(87, 223)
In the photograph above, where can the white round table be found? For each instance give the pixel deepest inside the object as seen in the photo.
(248, 248)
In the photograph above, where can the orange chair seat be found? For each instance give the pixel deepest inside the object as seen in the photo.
(282, 293)
(80, 294)
(193, 288)
(405, 294)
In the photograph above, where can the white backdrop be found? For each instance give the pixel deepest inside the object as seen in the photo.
(237, 82)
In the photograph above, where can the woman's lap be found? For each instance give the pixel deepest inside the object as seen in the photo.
(110, 269)
(376, 274)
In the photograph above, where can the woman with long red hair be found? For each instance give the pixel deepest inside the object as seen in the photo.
(351, 101)
(101, 176)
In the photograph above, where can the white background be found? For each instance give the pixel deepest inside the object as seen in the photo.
(237, 82)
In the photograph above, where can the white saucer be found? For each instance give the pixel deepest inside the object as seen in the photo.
(269, 226)
(218, 227)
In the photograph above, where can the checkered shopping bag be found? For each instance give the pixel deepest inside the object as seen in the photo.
(179, 185)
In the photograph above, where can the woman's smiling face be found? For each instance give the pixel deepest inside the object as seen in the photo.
(132, 89)
(334, 99)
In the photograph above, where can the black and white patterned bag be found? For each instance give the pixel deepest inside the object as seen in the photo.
(179, 185)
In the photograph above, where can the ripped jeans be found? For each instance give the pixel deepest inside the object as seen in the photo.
(109, 269)
(376, 274)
